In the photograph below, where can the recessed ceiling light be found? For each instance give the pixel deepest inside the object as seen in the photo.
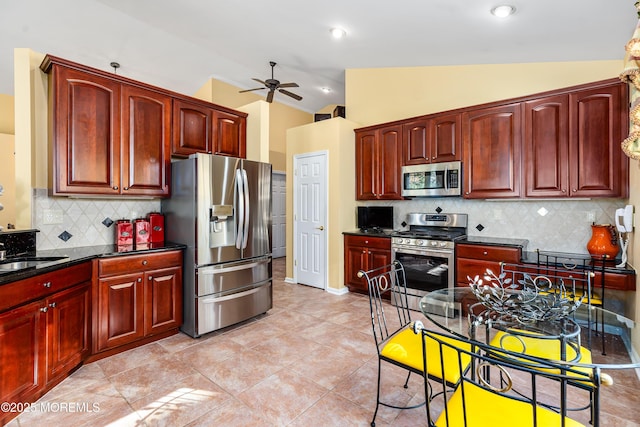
(338, 33)
(326, 90)
(503, 11)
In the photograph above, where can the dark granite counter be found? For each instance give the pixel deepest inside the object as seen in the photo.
(495, 241)
(73, 256)
(383, 234)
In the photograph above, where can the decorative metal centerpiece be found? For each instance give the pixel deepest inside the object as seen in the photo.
(530, 300)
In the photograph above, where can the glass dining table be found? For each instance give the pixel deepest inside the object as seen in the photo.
(459, 312)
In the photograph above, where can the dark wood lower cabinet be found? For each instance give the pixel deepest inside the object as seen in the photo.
(364, 253)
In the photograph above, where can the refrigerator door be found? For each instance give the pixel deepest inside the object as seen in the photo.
(218, 216)
(256, 230)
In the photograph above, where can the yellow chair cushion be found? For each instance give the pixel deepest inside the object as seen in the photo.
(485, 408)
(548, 349)
(580, 295)
(405, 347)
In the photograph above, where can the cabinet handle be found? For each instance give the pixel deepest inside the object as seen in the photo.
(366, 242)
(433, 158)
(564, 191)
(52, 305)
(144, 262)
(44, 309)
(574, 190)
(139, 280)
(47, 284)
(484, 253)
(125, 188)
(466, 192)
(150, 278)
(115, 187)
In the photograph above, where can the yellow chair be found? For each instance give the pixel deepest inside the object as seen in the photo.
(486, 394)
(395, 339)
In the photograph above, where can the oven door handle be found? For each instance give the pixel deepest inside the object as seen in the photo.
(425, 252)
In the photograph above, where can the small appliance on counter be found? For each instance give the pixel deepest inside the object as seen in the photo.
(624, 224)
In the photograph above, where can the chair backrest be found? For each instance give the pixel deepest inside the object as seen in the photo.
(387, 293)
(570, 283)
(501, 385)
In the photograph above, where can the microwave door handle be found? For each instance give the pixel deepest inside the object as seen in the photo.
(240, 200)
(446, 178)
(245, 234)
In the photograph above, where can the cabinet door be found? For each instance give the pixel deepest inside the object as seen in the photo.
(415, 143)
(86, 133)
(68, 335)
(492, 141)
(229, 134)
(446, 138)
(389, 172)
(379, 258)
(356, 260)
(120, 310)
(192, 125)
(163, 300)
(146, 132)
(366, 165)
(597, 165)
(22, 352)
(546, 147)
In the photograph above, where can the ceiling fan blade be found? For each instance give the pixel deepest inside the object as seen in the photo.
(289, 85)
(259, 81)
(293, 95)
(270, 96)
(249, 90)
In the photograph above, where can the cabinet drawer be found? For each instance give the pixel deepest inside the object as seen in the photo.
(471, 268)
(488, 253)
(133, 263)
(371, 242)
(22, 291)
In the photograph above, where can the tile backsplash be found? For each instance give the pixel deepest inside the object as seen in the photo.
(551, 225)
(68, 222)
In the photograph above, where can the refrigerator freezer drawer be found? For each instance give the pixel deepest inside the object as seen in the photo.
(228, 276)
(219, 312)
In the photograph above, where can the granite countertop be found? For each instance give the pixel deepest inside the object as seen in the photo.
(81, 254)
(383, 233)
(495, 241)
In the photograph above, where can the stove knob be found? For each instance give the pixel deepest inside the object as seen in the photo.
(443, 244)
(419, 242)
(434, 243)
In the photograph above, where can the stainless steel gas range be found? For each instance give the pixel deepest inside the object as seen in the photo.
(426, 251)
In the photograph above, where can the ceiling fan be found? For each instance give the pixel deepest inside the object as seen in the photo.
(273, 85)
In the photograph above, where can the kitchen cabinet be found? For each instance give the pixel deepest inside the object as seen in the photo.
(474, 259)
(44, 332)
(138, 296)
(572, 143)
(492, 139)
(200, 127)
(431, 139)
(378, 163)
(364, 253)
(109, 136)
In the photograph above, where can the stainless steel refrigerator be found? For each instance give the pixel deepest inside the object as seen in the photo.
(220, 208)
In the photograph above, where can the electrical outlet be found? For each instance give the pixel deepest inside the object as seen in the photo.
(591, 216)
(52, 216)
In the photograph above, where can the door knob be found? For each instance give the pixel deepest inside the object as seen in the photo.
(320, 228)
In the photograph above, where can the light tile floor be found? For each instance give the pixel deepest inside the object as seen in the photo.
(310, 361)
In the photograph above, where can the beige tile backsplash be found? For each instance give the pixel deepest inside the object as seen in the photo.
(82, 218)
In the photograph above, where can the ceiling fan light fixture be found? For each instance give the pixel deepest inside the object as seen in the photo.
(338, 33)
(503, 11)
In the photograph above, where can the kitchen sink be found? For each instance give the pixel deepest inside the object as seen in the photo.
(21, 263)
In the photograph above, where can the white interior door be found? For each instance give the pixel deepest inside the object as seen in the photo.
(310, 213)
(278, 216)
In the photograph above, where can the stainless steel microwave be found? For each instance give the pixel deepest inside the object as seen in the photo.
(432, 180)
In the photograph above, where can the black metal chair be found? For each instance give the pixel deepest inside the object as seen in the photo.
(396, 343)
(486, 395)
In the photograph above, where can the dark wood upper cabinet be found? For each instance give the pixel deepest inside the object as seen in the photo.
(146, 136)
(433, 139)
(378, 163)
(191, 128)
(546, 146)
(492, 143)
(229, 134)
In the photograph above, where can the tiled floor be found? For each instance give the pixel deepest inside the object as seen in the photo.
(310, 361)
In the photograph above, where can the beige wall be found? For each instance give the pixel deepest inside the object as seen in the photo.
(385, 94)
(337, 138)
(7, 180)
(7, 114)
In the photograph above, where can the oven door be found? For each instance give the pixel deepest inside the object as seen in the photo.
(426, 270)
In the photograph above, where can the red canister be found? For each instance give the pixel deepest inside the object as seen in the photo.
(142, 231)
(156, 227)
(124, 232)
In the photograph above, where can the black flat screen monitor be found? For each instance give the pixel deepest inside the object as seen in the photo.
(375, 217)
